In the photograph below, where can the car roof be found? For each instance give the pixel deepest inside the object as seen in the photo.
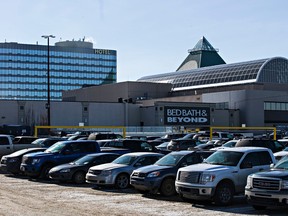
(143, 153)
(243, 149)
(102, 153)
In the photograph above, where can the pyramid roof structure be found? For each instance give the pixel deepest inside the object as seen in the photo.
(202, 55)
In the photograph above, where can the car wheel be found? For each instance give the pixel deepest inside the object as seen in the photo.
(257, 207)
(79, 177)
(45, 171)
(224, 194)
(168, 187)
(122, 181)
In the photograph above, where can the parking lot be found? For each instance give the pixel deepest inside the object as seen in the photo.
(21, 196)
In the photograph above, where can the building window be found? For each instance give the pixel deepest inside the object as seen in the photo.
(276, 106)
(85, 109)
(21, 107)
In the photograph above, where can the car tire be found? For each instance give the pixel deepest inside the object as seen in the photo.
(122, 181)
(168, 187)
(45, 171)
(257, 207)
(224, 194)
(79, 177)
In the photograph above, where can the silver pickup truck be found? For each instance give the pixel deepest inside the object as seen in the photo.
(223, 174)
(9, 145)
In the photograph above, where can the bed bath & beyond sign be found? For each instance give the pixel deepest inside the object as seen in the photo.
(187, 115)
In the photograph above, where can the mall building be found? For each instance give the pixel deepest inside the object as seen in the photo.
(204, 91)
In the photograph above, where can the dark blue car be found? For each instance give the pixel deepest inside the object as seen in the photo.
(75, 171)
(160, 177)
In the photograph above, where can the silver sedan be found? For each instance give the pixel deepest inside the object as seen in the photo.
(117, 173)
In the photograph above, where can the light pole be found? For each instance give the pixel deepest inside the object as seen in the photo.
(48, 77)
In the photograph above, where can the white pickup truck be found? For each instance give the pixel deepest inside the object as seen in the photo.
(7, 146)
(223, 174)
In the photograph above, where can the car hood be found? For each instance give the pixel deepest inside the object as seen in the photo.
(281, 153)
(65, 166)
(203, 167)
(273, 174)
(39, 154)
(108, 166)
(151, 168)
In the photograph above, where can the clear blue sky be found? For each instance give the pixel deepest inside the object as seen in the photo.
(153, 36)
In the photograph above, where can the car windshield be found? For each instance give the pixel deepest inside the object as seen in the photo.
(163, 145)
(230, 144)
(169, 160)
(84, 160)
(125, 159)
(56, 148)
(227, 158)
(285, 149)
(282, 164)
(38, 141)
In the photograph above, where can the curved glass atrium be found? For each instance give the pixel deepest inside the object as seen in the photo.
(270, 70)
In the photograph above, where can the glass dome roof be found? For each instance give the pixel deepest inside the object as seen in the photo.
(270, 70)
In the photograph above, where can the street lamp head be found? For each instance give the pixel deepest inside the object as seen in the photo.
(48, 36)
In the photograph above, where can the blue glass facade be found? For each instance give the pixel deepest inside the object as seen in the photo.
(23, 69)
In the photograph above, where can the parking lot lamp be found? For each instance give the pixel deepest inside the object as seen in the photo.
(48, 77)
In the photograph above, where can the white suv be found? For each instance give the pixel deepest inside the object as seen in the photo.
(223, 174)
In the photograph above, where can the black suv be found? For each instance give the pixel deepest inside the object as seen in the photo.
(160, 177)
(267, 143)
(134, 145)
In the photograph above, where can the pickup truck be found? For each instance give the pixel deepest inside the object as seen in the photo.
(270, 188)
(38, 164)
(223, 174)
(8, 146)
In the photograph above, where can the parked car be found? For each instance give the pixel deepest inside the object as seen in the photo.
(270, 188)
(24, 139)
(134, 145)
(8, 146)
(223, 174)
(75, 171)
(160, 177)
(267, 143)
(162, 148)
(228, 144)
(47, 142)
(38, 164)
(103, 136)
(117, 173)
(170, 136)
(11, 163)
(279, 155)
(181, 144)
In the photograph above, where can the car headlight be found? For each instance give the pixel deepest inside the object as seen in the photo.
(36, 160)
(206, 178)
(284, 184)
(249, 182)
(153, 174)
(106, 172)
(65, 171)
